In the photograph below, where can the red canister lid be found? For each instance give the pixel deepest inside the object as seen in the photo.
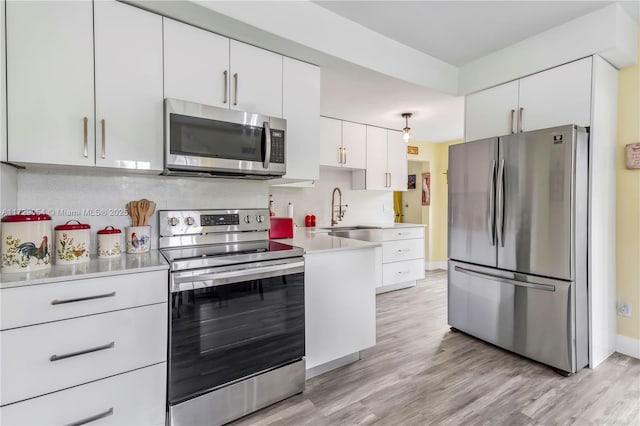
(26, 217)
(72, 226)
(109, 231)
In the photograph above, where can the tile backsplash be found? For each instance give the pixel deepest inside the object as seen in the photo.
(99, 198)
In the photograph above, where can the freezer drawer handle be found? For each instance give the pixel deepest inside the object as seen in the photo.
(82, 299)
(99, 416)
(82, 352)
(546, 287)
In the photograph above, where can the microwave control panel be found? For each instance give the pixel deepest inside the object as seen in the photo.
(277, 146)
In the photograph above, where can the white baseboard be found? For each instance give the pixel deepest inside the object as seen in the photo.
(628, 346)
(432, 266)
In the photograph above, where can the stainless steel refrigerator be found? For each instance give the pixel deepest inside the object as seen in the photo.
(518, 243)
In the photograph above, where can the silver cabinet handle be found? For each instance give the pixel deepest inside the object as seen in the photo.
(53, 358)
(104, 144)
(85, 124)
(82, 299)
(403, 250)
(344, 155)
(547, 287)
(511, 120)
(226, 87)
(491, 220)
(520, 126)
(267, 150)
(107, 413)
(403, 272)
(235, 89)
(403, 233)
(339, 155)
(389, 179)
(500, 220)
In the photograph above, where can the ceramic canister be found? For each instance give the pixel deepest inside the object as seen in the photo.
(72, 243)
(138, 239)
(109, 242)
(26, 242)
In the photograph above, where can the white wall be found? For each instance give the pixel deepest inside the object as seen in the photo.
(365, 207)
(106, 194)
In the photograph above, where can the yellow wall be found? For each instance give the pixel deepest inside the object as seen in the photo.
(628, 202)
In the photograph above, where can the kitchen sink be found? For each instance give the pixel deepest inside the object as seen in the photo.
(348, 228)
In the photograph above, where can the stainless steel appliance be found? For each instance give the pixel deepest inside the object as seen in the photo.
(236, 334)
(518, 243)
(209, 141)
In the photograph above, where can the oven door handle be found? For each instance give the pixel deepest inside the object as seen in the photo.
(221, 278)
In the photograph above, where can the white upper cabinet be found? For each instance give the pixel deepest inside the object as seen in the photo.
(491, 112)
(376, 172)
(256, 80)
(396, 161)
(557, 97)
(301, 109)
(128, 45)
(50, 82)
(330, 142)
(354, 145)
(196, 65)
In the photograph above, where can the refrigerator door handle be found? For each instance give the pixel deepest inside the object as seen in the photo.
(546, 287)
(491, 220)
(500, 209)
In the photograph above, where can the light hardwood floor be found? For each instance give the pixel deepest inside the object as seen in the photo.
(422, 373)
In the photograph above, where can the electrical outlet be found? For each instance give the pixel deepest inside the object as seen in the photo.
(624, 309)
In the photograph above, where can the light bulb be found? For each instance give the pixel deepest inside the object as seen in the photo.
(406, 135)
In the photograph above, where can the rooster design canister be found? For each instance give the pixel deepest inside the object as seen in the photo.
(26, 242)
(109, 242)
(72, 243)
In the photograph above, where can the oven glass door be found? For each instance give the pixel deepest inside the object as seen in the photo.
(223, 333)
(205, 137)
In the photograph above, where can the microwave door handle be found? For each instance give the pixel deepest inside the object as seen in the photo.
(267, 151)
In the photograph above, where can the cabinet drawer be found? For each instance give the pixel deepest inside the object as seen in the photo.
(134, 398)
(49, 357)
(402, 233)
(51, 302)
(395, 251)
(398, 272)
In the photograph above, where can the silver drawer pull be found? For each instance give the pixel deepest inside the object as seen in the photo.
(403, 250)
(404, 233)
(82, 299)
(83, 352)
(403, 272)
(107, 413)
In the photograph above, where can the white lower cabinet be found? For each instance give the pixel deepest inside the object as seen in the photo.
(135, 398)
(402, 258)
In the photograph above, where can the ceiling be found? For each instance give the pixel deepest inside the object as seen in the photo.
(456, 32)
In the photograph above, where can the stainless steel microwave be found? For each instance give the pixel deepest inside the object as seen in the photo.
(203, 140)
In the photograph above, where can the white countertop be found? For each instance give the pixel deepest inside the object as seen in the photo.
(125, 264)
(313, 241)
(371, 225)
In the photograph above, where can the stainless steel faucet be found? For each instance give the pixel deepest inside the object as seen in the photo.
(340, 211)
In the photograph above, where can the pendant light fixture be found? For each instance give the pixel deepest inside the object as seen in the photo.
(406, 132)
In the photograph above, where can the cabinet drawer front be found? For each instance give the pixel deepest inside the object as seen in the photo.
(49, 357)
(134, 398)
(395, 251)
(399, 272)
(51, 302)
(402, 233)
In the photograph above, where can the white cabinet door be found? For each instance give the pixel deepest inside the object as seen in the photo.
(330, 142)
(396, 160)
(376, 174)
(491, 112)
(196, 65)
(301, 109)
(354, 145)
(557, 96)
(128, 70)
(50, 82)
(256, 80)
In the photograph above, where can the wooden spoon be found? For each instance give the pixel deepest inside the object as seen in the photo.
(140, 208)
(133, 207)
(143, 206)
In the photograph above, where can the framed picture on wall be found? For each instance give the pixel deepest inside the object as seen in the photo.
(411, 182)
(426, 189)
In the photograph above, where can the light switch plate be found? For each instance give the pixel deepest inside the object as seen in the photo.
(624, 309)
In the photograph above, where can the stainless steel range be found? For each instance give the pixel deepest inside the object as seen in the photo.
(237, 315)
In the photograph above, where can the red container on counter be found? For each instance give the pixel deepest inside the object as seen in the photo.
(313, 220)
(281, 227)
(308, 222)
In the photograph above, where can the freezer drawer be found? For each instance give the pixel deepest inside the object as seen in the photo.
(528, 315)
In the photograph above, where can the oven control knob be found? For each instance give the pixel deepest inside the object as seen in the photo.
(173, 221)
(260, 218)
(247, 219)
(189, 221)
